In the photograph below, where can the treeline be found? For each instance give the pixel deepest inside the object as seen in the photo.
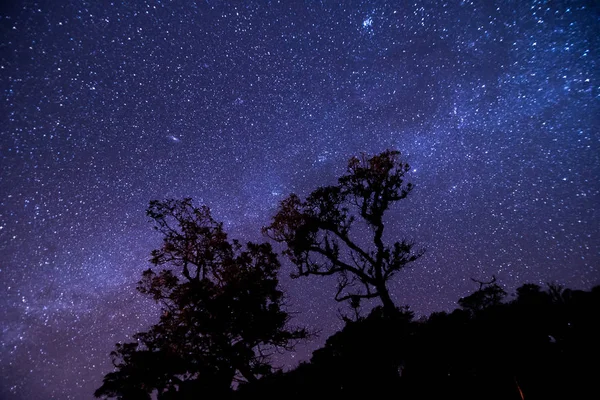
(544, 344)
(224, 314)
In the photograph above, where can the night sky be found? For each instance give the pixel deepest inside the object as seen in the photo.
(106, 106)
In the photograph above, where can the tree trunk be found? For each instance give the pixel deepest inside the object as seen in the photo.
(389, 308)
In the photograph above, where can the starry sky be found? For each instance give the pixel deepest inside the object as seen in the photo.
(108, 105)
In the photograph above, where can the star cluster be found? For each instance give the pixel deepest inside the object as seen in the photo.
(107, 105)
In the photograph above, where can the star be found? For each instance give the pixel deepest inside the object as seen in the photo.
(107, 107)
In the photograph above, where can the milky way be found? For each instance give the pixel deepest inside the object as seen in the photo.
(106, 106)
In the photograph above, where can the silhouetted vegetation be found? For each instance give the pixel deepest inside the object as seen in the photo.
(541, 345)
(223, 315)
(320, 232)
(222, 312)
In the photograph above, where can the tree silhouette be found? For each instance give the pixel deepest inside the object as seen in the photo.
(321, 232)
(361, 361)
(537, 346)
(489, 294)
(222, 313)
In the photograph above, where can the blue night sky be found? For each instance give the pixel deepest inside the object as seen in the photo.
(108, 105)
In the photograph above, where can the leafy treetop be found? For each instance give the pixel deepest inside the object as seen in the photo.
(321, 231)
(222, 312)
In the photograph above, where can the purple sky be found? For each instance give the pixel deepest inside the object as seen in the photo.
(106, 106)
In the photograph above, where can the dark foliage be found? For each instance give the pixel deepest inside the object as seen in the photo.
(361, 360)
(222, 312)
(223, 315)
(321, 232)
(542, 345)
(489, 294)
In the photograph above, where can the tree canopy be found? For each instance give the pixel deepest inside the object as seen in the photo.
(222, 312)
(489, 294)
(321, 232)
(543, 344)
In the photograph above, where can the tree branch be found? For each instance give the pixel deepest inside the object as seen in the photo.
(362, 296)
(340, 264)
(349, 242)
